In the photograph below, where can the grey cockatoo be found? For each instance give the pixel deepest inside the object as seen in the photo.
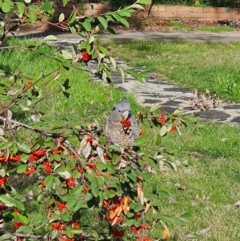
(121, 127)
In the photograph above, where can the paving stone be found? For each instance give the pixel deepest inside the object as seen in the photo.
(213, 115)
(232, 107)
(236, 119)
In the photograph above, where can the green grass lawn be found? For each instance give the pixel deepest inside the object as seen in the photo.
(208, 187)
(189, 64)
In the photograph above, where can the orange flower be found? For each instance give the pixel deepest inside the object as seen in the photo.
(141, 133)
(166, 234)
(61, 206)
(140, 115)
(173, 128)
(17, 224)
(51, 212)
(100, 174)
(28, 84)
(57, 151)
(124, 204)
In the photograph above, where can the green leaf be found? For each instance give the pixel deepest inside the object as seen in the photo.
(163, 194)
(115, 148)
(49, 180)
(124, 13)
(24, 229)
(64, 2)
(46, 7)
(132, 72)
(104, 50)
(116, 16)
(124, 22)
(54, 234)
(23, 219)
(87, 25)
(144, 1)
(72, 18)
(7, 6)
(136, 6)
(71, 203)
(66, 54)
(50, 38)
(154, 108)
(139, 141)
(21, 168)
(64, 174)
(20, 7)
(32, 17)
(6, 236)
(23, 148)
(185, 217)
(95, 191)
(93, 180)
(7, 201)
(19, 205)
(163, 131)
(61, 17)
(103, 21)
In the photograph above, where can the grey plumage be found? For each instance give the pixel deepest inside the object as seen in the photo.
(121, 127)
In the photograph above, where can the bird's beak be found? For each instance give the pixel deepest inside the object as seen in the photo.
(125, 114)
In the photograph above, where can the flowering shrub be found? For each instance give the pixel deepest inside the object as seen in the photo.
(53, 188)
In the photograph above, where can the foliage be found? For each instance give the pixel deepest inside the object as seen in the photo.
(67, 182)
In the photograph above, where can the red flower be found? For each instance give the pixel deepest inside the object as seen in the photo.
(61, 206)
(92, 165)
(66, 239)
(48, 170)
(71, 182)
(173, 128)
(100, 174)
(80, 169)
(126, 123)
(86, 57)
(133, 229)
(51, 212)
(75, 225)
(30, 171)
(3, 207)
(3, 180)
(17, 224)
(39, 152)
(162, 119)
(3, 159)
(57, 226)
(118, 233)
(15, 210)
(42, 185)
(57, 151)
(138, 214)
(86, 190)
(89, 139)
(15, 158)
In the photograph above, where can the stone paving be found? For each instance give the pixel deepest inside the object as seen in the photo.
(155, 90)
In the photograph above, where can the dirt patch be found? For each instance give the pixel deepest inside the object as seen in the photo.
(149, 24)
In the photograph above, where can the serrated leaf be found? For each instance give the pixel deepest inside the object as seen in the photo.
(50, 38)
